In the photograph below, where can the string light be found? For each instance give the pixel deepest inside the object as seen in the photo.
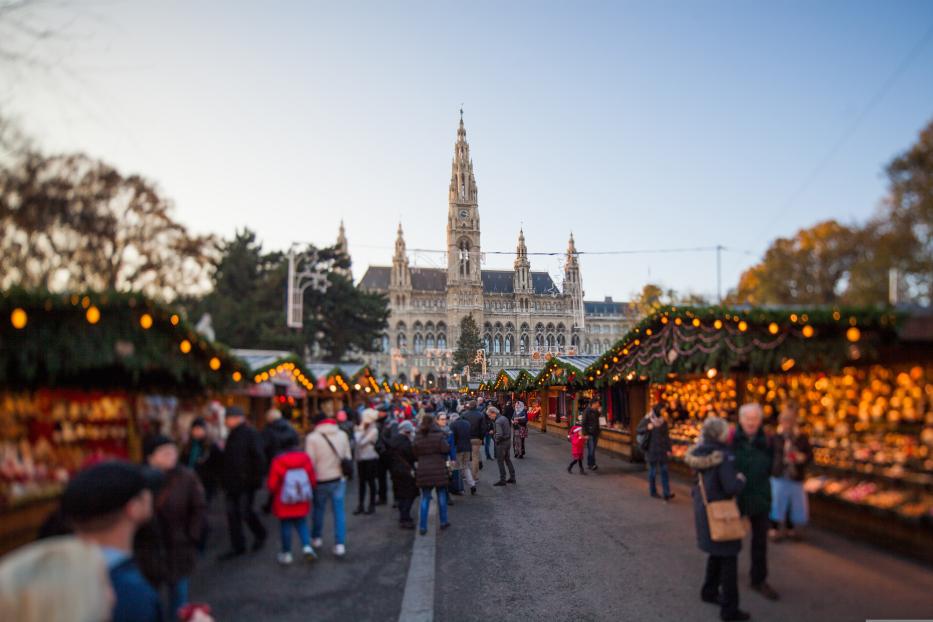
(696, 322)
(743, 326)
(145, 320)
(717, 324)
(19, 319)
(174, 320)
(853, 334)
(237, 376)
(214, 363)
(808, 331)
(92, 315)
(773, 328)
(185, 346)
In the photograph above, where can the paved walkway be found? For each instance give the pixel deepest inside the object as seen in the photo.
(560, 547)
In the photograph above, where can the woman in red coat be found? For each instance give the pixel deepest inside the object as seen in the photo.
(577, 438)
(291, 482)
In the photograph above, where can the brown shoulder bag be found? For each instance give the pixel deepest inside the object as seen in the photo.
(723, 517)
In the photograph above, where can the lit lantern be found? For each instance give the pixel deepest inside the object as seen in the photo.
(214, 363)
(717, 324)
(648, 332)
(743, 326)
(145, 320)
(18, 319)
(773, 328)
(174, 320)
(808, 331)
(356, 387)
(696, 322)
(853, 334)
(711, 372)
(92, 315)
(787, 365)
(185, 346)
(678, 321)
(237, 376)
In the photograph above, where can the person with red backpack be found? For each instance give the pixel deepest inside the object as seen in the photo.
(291, 483)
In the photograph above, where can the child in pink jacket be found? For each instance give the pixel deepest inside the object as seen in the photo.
(577, 444)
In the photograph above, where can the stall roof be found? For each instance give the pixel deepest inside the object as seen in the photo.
(261, 359)
(106, 341)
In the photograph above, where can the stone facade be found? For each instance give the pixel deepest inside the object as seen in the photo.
(523, 316)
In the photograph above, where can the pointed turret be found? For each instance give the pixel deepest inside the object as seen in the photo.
(522, 266)
(344, 247)
(462, 181)
(573, 285)
(463, 233)
(401, 276)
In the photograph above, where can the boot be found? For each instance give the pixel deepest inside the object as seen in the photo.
(570, 468)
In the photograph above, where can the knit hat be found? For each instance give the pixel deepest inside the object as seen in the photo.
(104, 488)
(199, 422)
(151, 443)
(234, 411)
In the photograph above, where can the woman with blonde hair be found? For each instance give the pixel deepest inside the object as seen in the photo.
(59, 579)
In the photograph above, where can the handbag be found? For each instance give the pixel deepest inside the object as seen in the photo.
(346, 464)
(723, 517)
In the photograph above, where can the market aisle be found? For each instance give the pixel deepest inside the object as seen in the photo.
(367, 585)
(568, 547)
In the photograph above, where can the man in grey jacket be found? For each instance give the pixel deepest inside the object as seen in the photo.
(502, 430)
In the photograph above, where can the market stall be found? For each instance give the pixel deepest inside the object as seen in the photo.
(84, 377)
(280, 380)
(863, 379)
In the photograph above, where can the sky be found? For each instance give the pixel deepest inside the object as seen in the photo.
(638, 126)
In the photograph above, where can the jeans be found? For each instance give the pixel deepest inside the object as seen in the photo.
(178, 595)
(404, 510)
(426, 504)
(591, 450)
(298, 524)
(504, 459)
(334, 491)
(489, 444)
(722, 573)
(240, 509)
(760, 525)
(368, 471)
(653, 468)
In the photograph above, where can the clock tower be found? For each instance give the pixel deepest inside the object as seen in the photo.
(464, 277)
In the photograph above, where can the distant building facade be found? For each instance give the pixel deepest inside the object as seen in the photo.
(523, 316)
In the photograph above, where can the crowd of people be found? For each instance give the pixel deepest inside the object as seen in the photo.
(137, 531)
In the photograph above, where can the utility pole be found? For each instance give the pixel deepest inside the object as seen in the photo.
(719, 249)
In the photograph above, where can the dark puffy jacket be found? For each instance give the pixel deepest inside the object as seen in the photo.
(591, 422)
(479, 423)
(799, 444)
(167, 546)
(208, 462)
(401, 465)
(244, 460)
(277, 437)
(754, 459)
(659, 440)
(431, 450)
(715, 463)
(461, 433)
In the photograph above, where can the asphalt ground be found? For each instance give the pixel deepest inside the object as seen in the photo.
(556, 547)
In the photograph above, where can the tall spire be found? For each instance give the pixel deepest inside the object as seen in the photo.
(344, 247)
(572, 253)
(462, 182)
(400, 276)
(522, 276)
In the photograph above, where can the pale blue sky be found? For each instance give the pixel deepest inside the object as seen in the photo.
(637, 125)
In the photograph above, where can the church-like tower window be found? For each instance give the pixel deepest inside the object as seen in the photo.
(497, 344)
(419, 343)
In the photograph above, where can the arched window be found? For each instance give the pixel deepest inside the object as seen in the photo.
(385, 343)
(464, 257)
(497, 344)
(487, 342)
(429, 327)
(575, 340)
(442, 341)
(509, 344)
(402, 342)
(539, 340)
(560, 340)
(523, 344)
(550, 341)
(429, 342)
(419, 343)
(431, 381)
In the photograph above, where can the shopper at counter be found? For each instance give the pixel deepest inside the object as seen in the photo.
(792, 455)
(658, 450)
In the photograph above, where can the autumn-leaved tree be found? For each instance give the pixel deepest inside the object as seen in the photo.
(72, 223)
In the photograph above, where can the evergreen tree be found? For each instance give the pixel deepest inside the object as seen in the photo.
(467, 345)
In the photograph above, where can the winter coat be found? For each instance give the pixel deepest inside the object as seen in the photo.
(166, 547)
(401, 467)
(791, 446)
(326, 462)
(461, 435)
(244, 460)
(479, 423)
(366, 443)
(502, 429)
(208, 462)
(591, 422)
(281, 465)
(659, 440)
(715, 463)
(754, 459)
(577, 442)
(277, 437)
(136, 600)
(431, 450)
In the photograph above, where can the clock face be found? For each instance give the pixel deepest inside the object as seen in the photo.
(464, 213)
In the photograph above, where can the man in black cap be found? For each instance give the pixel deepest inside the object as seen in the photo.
(106, 504)
(243, 466)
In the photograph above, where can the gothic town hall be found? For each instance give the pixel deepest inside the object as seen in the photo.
(523, 316)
